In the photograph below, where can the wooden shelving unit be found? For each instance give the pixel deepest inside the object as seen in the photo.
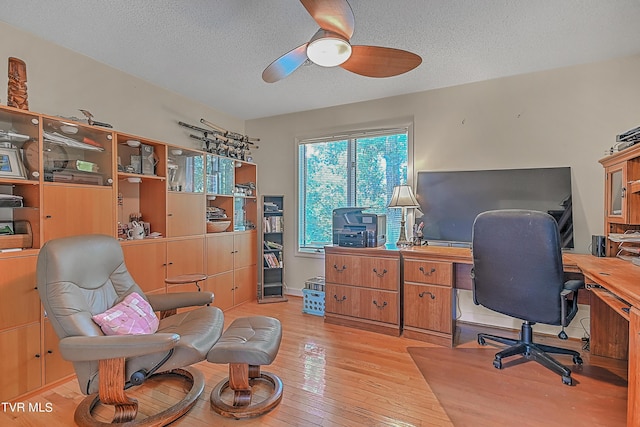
(272, 285)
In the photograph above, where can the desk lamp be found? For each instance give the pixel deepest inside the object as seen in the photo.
(403, 198)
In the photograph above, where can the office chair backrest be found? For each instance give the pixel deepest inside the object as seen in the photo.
(517, 264)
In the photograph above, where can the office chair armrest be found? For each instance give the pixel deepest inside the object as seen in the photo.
(86, 349)
(166, 302)
(573, 285)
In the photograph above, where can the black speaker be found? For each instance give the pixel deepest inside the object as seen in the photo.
(598, 245)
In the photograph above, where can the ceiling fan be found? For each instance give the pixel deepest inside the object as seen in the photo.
(330, 47)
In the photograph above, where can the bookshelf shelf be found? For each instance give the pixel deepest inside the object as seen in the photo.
(272, 284)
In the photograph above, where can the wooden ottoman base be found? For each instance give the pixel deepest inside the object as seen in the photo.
(241, 385)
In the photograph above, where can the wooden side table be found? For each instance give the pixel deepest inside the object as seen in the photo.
(186, 278)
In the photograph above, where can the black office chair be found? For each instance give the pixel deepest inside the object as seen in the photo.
(517, 271)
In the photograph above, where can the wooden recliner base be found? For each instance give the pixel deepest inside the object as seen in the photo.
(241, 377)
(126, 408)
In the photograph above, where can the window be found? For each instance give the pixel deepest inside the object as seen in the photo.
(347, 171)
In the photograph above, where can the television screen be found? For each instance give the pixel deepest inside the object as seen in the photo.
(450, 201)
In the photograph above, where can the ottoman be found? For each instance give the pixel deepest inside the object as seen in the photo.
(246, 345)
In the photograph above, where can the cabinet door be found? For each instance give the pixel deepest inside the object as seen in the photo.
(20, 303)
(428, 307)
(219, 253)
(245, 280)
(147, 264)
(186, 214)
(222, 287)
(71, 211)
(20, 367)
(185, 257)
(245, 249)
(55, 367)
(615, 193)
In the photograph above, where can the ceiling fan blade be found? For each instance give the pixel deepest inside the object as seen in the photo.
(332, 15)
(377, 61)
(285, 65)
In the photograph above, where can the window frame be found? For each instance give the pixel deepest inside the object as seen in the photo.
(361, 132)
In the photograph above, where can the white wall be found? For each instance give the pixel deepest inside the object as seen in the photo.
(60, 81)
(564, 117)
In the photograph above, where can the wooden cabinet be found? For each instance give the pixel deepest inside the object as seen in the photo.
(621, 193)
(185, 214)
(428, 300)
(185, 256)
(146, 261)
(231, 268)
(55, 367)
(74, 210)
(75, 179)
(363, 289)
(21, 361)
(20, 303)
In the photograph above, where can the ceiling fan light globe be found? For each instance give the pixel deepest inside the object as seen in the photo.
(328, 51)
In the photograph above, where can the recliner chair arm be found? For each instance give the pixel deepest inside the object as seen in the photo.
(86, 349)
(165, 302)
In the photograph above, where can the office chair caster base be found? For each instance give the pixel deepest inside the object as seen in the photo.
(481, 340)
(497, 363)
(567, 380)
(577, 360)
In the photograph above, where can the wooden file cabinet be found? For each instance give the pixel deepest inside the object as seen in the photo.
(428, 300)
(363, 289)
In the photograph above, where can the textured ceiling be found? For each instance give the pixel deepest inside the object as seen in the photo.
(214, 51)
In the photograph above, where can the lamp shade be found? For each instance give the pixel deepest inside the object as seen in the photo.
(403, 197)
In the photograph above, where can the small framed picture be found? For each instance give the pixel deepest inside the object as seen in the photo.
(10, 164)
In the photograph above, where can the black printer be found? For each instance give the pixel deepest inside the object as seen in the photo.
(355, 228)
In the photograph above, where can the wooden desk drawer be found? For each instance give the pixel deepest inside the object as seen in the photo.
(431, 272)
(342, 269)
(380, 273)
(428, 307)
(378, 305)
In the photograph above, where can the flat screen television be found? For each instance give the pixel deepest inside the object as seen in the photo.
(451, 200)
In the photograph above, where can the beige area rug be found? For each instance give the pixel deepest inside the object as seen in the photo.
(523, 393)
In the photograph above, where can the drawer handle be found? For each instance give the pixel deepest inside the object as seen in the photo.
(380, 306)
(433, 270)
(344, 297)
(339, 270)
(422, 294)
(380, 274)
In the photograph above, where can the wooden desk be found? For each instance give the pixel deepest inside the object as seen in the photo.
(614, 285)
(614, 332)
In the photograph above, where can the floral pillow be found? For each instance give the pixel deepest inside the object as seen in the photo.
(132, 316)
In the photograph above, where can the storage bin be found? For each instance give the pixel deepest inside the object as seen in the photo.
(315, 283)
(313, 302)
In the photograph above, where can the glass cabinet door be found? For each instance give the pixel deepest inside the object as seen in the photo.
(219, 175)
(76, 154)
(616, 193)
(185, 170)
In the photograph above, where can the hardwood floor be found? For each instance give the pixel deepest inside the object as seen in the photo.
(332, 375)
